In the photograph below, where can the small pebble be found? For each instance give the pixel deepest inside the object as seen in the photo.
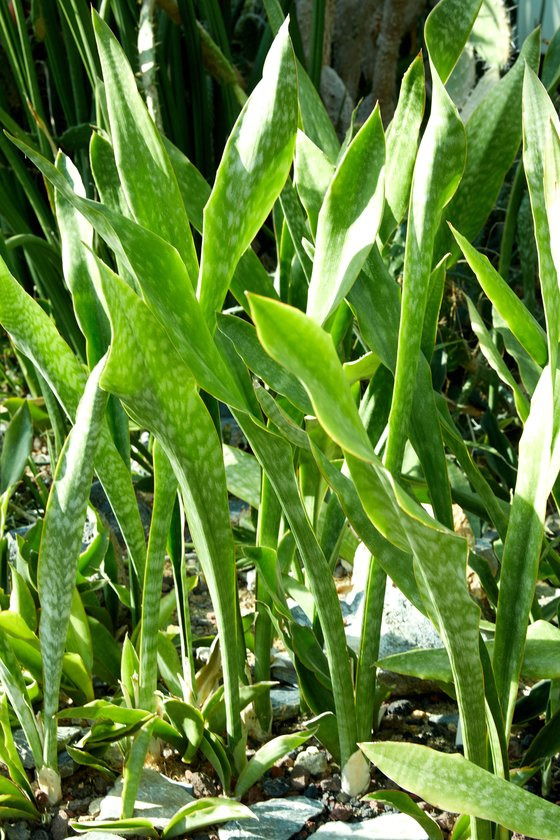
(332, 784)
(95, 806)
(312, 791)
(39, 834)
(299, 778)
(399, 707)
(313, 760)
(341, 812)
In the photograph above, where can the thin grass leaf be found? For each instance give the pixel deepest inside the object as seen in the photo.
(253, 170)
(265, 757)
(349, 219)
(452, 783)
(16, 690)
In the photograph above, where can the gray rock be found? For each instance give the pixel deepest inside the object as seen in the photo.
(99, 835)
(403, 628)
(285, 702)
(277, 818)
(158, 798)
(59, 826)
(17, 831)
(385, 827)
(282, 668)
(65, 735)
(313, 760)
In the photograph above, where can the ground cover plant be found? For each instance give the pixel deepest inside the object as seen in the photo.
(333, 372)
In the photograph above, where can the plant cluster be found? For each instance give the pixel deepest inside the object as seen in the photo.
(334, 368)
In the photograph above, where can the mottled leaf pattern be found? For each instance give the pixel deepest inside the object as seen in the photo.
(61, 542)
(254, 167)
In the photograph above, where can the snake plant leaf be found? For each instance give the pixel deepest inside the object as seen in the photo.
(267, 755)
(523, 325)
(312, 174)
(106, 175)
(496, 362)
(493, 138)
(172, 409)
(243, 336)
(538, 114)
(297, 228)
(61, 542)
(552, 188)
(203, 812)
(446, 32)
(282, 331)
(402, 145)
(16, 448)
(243, 475)
(164, 282)
(146, 175)
(76, 239)
(250, 273)
(33, 332)
(406, 805)
(276, 458)
(523, 543)
(133, 826)
(252, 172)
(14, 686)
(438, 168)
(453, 783)
(349, 219)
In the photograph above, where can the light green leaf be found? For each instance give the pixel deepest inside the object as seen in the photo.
(172, 410)
(312, 174)
(252, 172)
(265, 757)
(496, 362)
(61, 542)
(493, 138)
(452, 783)
(402, 144)
(243, 475)
(446, 32)
(538, 114)
(408, 806)
(522, 547)
(524, 327)
(147, 177)
(203, 812)
(135, 826)
(13, 684)
(349, 219)
(438, 169)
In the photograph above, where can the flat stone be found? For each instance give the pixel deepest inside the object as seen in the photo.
(285, 702)
(158, 798)
(99, 835)
(65, 735)
(278, 818)
(282, 668)
(385, 827)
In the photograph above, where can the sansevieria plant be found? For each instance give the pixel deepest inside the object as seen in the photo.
(325, 365)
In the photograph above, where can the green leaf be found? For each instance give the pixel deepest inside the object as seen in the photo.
(522, 547)
(406, 805)
(243, 475)
(14, 686)
(203, 812)
(61, 542)
(252, 172)
(349, 219)
(437, 172)
(402, 144)
(493, 138)
(312, 174)
(16, 448)
(145, 172)
(452, 783)
(265, 757)
(135, 826)
(496, 361)
(174, 412)
(21, 600)
(538, 114)
(446, 32)
(524, 327)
